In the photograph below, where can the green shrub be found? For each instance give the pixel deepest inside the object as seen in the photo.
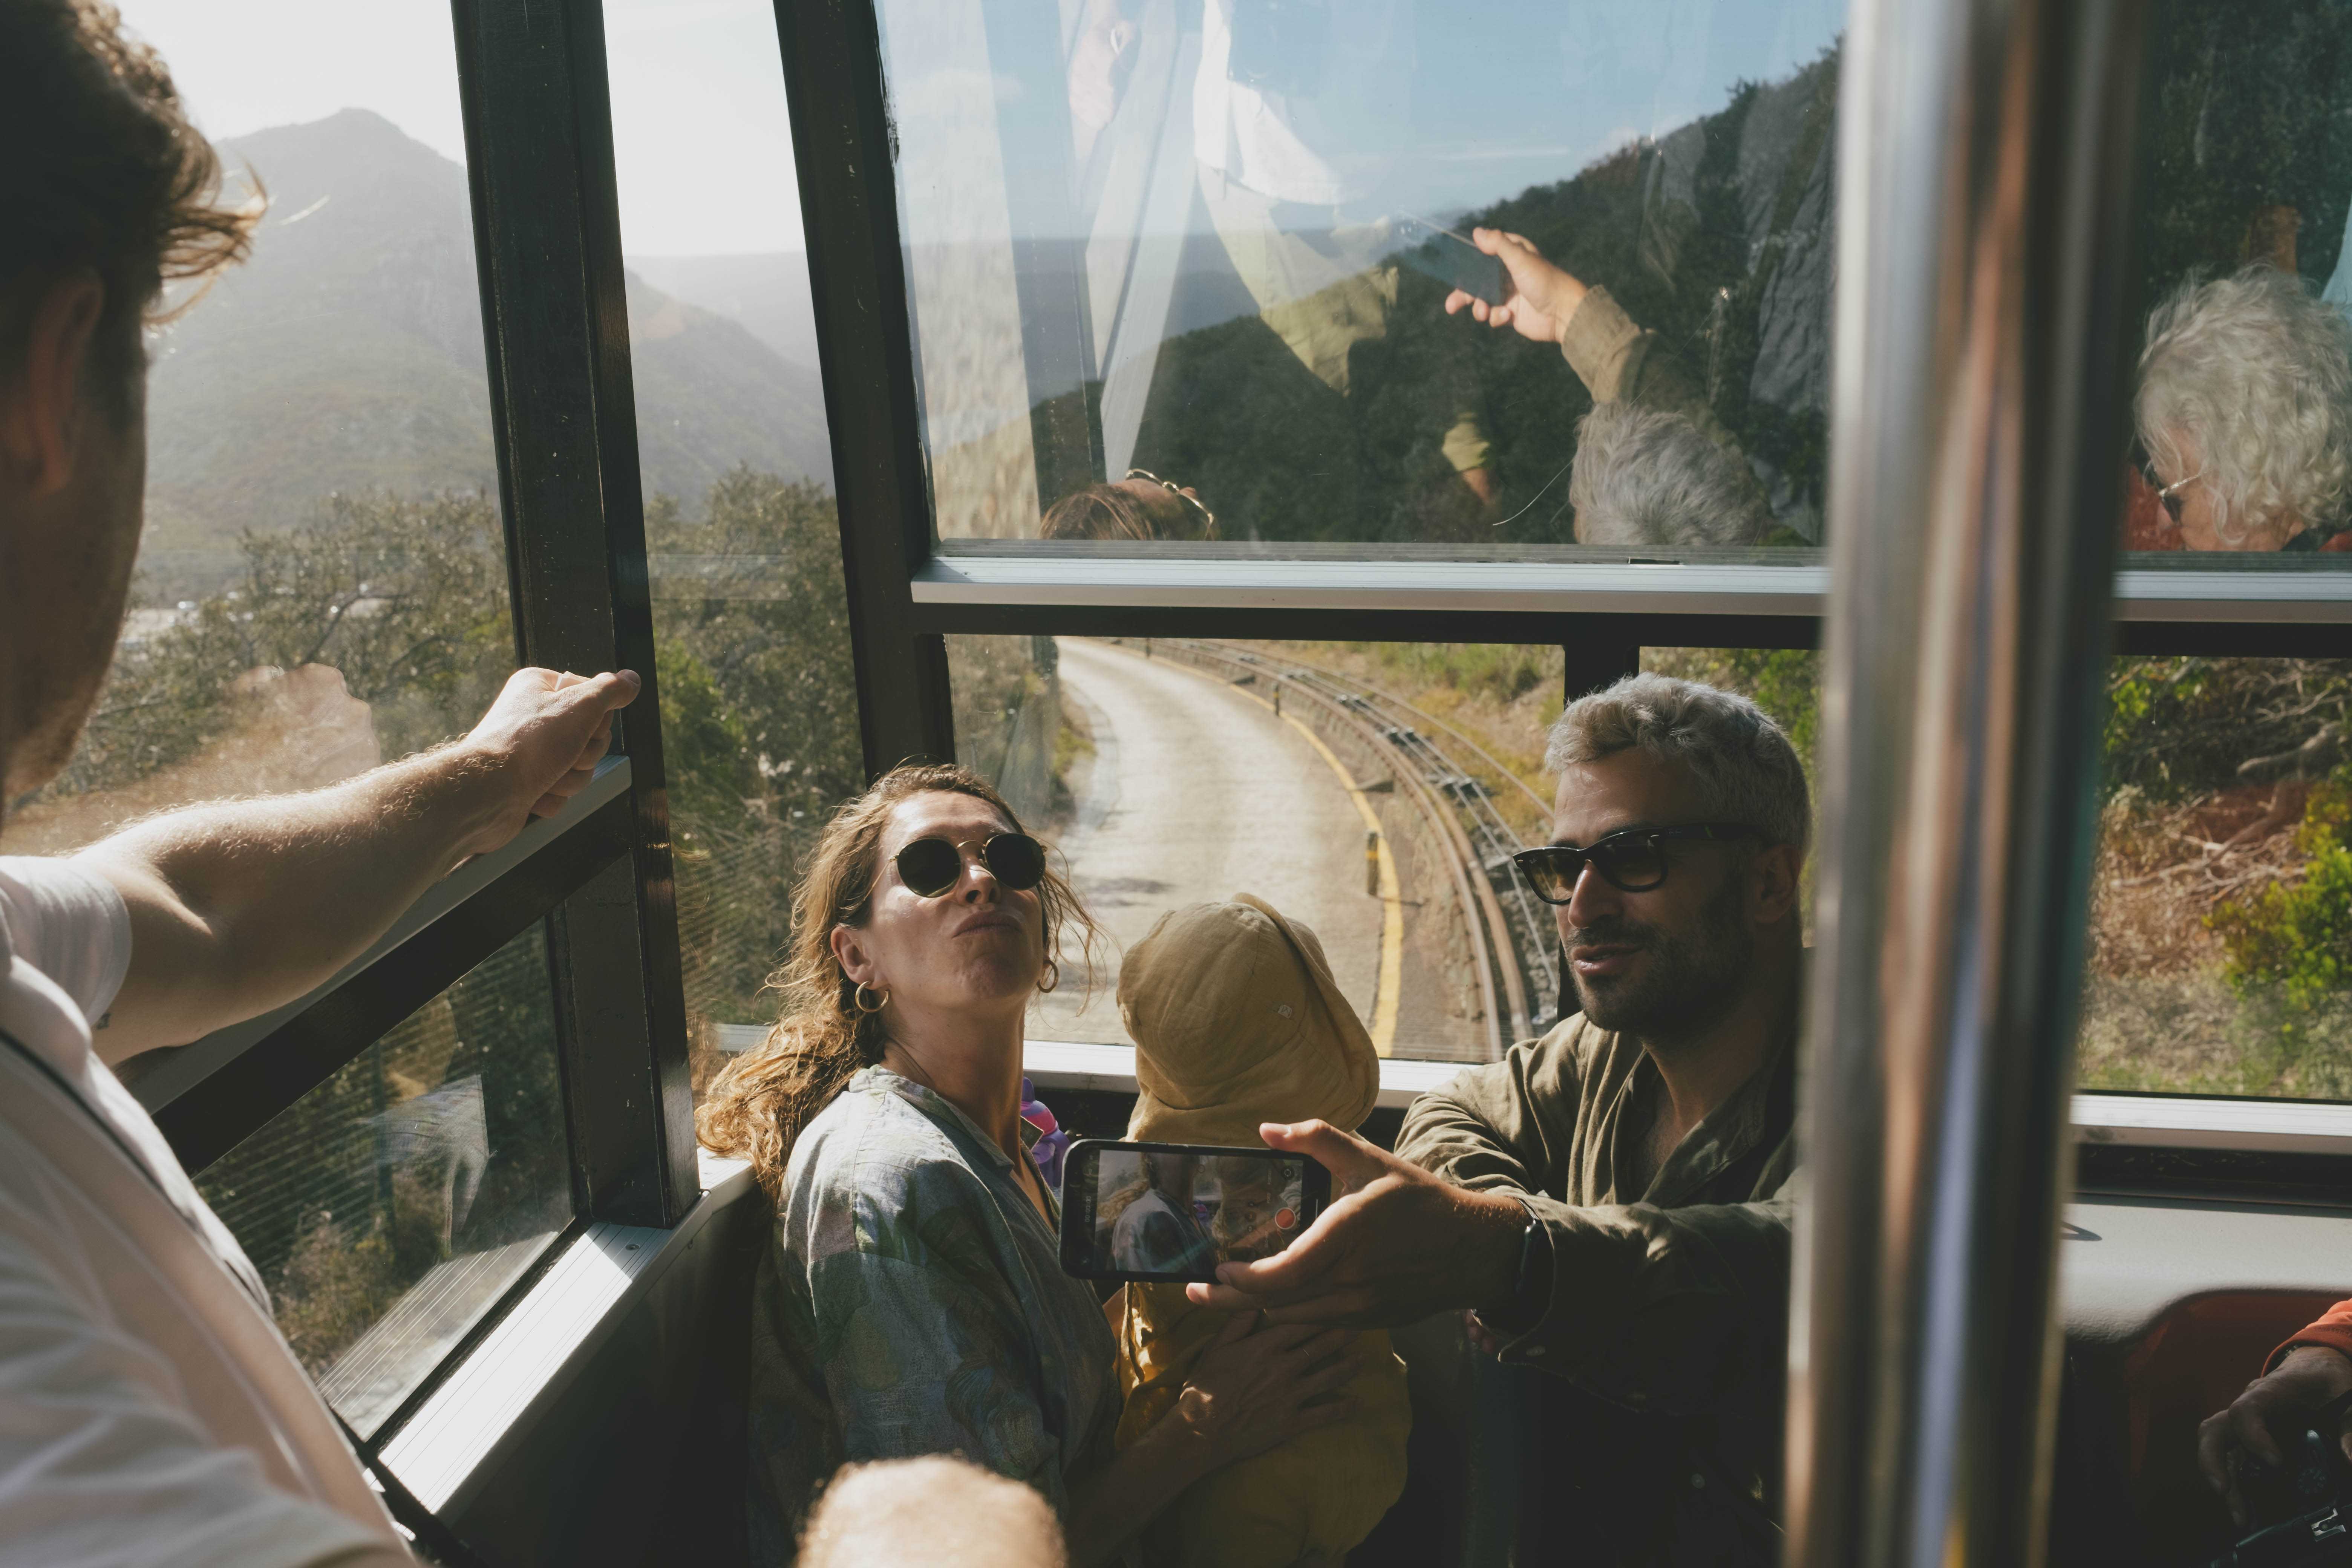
(2297, 936)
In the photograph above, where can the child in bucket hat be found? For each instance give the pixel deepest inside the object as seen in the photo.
(1237, 1020)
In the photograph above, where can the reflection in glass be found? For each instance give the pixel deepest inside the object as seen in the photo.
(1374, 792)
(1219, 242)
(322, 581)
(2220, 952)
(759, 733)
(2243, 401)
(392, 1205)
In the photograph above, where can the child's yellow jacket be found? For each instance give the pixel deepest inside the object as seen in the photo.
(1237, 1020)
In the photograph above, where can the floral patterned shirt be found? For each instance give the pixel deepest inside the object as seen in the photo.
(911, 1300)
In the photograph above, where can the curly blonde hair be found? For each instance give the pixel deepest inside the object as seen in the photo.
(759, 1105)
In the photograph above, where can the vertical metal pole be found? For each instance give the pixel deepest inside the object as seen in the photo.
(1983, 179)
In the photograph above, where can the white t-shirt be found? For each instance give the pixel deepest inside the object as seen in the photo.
(150, 1412)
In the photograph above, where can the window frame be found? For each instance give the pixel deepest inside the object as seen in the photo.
(545, 215)
(909, 592)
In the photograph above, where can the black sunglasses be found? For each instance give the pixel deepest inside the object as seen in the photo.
(1632, 861)
(930, 866)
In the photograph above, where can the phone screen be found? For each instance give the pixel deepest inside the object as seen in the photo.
(1451, 259)
(1176, 1211)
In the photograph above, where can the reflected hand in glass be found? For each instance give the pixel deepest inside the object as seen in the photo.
(1543, 294)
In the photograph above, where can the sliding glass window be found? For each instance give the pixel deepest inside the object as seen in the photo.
(1206, 271)
(758, 691)
(2242, 383)
(322, 581)
(393, 1206)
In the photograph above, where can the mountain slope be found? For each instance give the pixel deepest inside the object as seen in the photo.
(347, 355)
(767, 295)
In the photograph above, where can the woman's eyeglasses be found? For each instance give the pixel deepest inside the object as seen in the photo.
(1208, 518)
(930, 867)
(1632, 861)
(2167, 496)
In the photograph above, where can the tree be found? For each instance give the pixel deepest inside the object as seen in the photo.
(760, 718)
(405, 595)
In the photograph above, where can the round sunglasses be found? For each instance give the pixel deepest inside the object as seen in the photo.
(1631, 861)
(1207, 519)
(930, 867)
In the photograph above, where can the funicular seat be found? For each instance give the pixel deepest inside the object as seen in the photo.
(633, 1452)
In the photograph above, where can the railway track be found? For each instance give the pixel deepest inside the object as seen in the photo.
(1511, 932)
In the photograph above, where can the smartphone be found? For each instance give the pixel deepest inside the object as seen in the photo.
(1450, 258)
(1175, 1211)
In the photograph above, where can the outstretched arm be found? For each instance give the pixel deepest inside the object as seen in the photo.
(244, 906)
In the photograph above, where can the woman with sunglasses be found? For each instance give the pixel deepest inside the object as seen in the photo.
(910, 1299)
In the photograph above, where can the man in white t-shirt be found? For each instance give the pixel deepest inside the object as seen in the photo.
(150, 1412)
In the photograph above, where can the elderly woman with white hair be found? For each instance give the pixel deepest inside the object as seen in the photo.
(2245, 415)
(1647, 476)
(1654, 468)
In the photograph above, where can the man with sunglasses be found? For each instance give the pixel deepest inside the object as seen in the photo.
(1611, 1199)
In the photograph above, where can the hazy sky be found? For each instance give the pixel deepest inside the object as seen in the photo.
(700, 133)
(1513, 92)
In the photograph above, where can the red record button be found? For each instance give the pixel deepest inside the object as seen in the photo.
(1284, 1220)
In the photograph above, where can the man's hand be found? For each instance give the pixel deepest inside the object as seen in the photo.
(243, 906)
(543, 738)
(1543, 297)
(1395, 1245)
(2282, 1401)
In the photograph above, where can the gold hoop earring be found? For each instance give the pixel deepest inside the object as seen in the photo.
(1046, 985)
(858, 999)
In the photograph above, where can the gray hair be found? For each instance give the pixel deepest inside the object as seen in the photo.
(1745, 768)
(2258, 372)
(1643, 477)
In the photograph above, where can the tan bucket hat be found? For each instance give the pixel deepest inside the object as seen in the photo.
(1237, 1020)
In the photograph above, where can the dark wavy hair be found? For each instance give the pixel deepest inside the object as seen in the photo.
(757, 1106)
(104, 171)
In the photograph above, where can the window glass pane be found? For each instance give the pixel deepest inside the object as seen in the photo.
(2242, 398)
(1216, 242)
(389, 1208)
(758, 698)
(2221, 955)
(2219, 959)
(1373, 791)
(323, 583)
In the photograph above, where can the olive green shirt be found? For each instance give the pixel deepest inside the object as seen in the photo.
(1669, 1301)
(1620, 361)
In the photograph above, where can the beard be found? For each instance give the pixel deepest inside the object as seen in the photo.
(1690, 979)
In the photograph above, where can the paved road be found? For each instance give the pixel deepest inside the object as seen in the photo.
(1198, 792)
